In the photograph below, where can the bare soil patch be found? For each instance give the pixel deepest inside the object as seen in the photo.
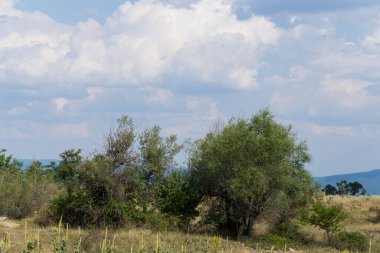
(8, 223)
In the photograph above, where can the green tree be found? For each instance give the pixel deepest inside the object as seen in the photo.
(98, 199)
(67, 171)
(157, 153)
(328, 218)
(252, 166)
(350, 188)
(356, 188)
(99, 188)
(342, 187)
(176, 197)
(330, 190)
(119, 143)
(119, 183)
(8, 162)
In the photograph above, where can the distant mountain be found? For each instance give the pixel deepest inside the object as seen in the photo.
(27, 162)
(370, 180)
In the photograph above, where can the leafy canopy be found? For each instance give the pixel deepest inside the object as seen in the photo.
(253, 166)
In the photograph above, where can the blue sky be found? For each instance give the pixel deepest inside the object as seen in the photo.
(68, 69)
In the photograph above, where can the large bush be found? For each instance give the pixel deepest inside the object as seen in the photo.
(254, 166)
(118, 184)
(24, 192)
(176, 197)
(97, 200)
(354, 241)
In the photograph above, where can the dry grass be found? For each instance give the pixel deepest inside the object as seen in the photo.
(363, 216)
(123, 240)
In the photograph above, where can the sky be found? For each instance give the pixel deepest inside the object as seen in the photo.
(69, 69)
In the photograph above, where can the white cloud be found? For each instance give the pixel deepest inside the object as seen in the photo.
(76, 130)
(94, 92)
(145, 41)
(346, 131)
(60, 103)
(7, 9)
(348, 93)
(202, 113)
(159, 96)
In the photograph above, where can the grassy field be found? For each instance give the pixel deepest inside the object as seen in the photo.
(363, 216)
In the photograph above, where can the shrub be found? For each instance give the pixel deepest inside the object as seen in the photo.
(98, 199)
(328, 218)
(354, 241)
(271, 240)
(288, 230)
(279, 241)
(24, 192)
(176, 197)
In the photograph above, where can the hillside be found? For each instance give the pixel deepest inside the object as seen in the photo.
(370, 180)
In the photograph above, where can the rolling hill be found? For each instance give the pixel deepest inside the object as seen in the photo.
(370, 180)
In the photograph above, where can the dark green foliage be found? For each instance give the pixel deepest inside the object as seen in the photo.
(97, 199)
(278, 240)
(154, 219)
(8, 163)
(354, 241)
(67, 171)
(350, 188)
(176, 197)
(328, 218)
(253, 166)
(345, 188)
(342, 187)
(118, 185)
(356, 189)
(30, 247)
(330, 190)
(289, 230)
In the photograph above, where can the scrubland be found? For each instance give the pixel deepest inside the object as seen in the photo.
(363, 216)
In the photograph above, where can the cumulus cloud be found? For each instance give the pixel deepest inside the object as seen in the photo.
(60, 103)
(7, 9)
(303, 6)
(140, 43)
(76, 130)
(348, 131)
(159, 96)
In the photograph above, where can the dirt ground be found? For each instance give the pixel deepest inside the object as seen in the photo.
(4, 222)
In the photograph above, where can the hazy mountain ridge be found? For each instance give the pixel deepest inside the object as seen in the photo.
(370, 180)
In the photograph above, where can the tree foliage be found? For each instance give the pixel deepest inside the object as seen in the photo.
(253, 166)
(67, 171)
(23, 192)
(116, 184)
(345, 188)
(330, 190)
(176, 197)
(8, 162)
(328, 218)
(157, 153)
